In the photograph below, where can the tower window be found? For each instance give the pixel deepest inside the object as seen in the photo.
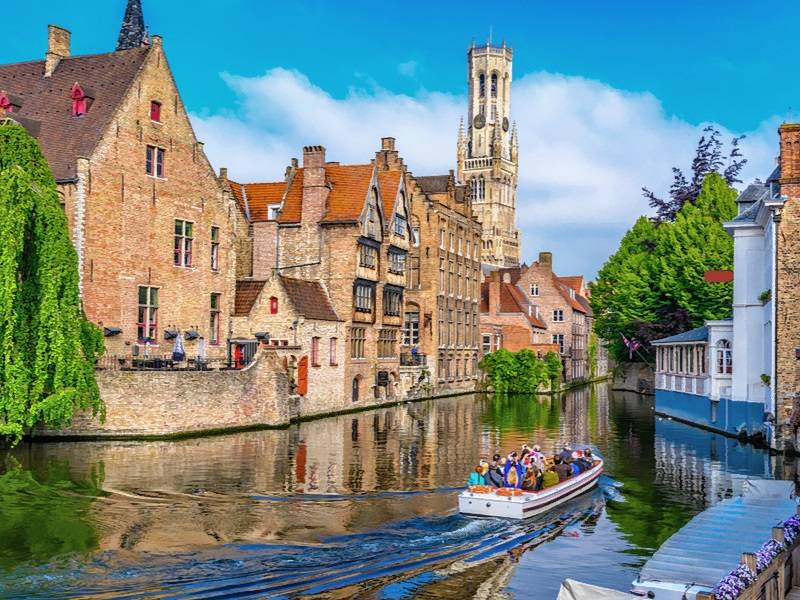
(494, 85)
(482, 84)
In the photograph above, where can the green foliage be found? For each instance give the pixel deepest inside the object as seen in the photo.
(654, 285)
(591, 350)
(47, 347)
(45, 516)
(518, 372)
(554, 368)
(765, 296)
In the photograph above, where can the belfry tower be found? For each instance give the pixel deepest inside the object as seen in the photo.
(488, 152)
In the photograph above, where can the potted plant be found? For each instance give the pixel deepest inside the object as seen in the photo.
(765, 296)
(765, 379)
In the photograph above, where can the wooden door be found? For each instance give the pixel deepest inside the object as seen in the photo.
(302, 376)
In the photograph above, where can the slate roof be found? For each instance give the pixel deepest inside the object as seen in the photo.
(247, 292)
(259, 197)
(753, 193)
(749, 214)
(700, 334)
(433, 184)
(309, 299)
(46, 100)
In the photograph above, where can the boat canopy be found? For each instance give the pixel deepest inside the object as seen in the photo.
(710, 546)
(575, 590)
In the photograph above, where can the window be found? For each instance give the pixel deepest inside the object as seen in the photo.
(494, 85)
(147, 322)
(392, 301)
(314, 351)
(441, 239)
(534, 289)
(155, 111)
(387, 343)
(80, 102)
(415, 236)
(367, 256)
(724, 358)
(372, 228)
(459, 246)
(154, 161)
(214, 319)
(558, 316)
(358, 336)
(482, 84)
(363, 297)
(452, 241)
(273, 210)
(215, 248)
(442, 276)
(701, 359)
(332, 352)
(468, 253)
(558, 338)
(400, 225)
(411, 328)
(183, 243)
(273, 305)
(397, 263)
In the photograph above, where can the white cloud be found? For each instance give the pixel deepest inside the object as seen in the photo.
(586, 149)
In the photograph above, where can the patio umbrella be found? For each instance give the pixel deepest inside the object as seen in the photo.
(178, 353)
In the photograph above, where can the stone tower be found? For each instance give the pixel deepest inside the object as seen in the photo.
(133, 33)
(487, 152)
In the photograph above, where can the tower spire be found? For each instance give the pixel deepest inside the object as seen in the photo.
(133, 33)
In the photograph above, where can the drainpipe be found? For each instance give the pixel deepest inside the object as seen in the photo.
(773, 392)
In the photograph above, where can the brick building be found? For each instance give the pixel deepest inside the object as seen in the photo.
(508, 320)
(152, 226)
(345, 229)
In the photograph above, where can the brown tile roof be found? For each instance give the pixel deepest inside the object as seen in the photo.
(259, 197)
(292, 204)
(349, 189)
(573, 281)
(389, 182)
(246, 293)
(564, 291)
(46, 100)
(433, 184)
(512, 300)
(309, 299)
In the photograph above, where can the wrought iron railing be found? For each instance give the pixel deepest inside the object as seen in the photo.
(408, 359)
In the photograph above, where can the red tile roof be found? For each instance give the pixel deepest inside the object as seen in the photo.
(512, 300)
(293, 202)
(46, 100)
(564, 291)
(309, 299)
(259, 197)
(246, 293)
(389, 182)
(349, 189)
(573, 281)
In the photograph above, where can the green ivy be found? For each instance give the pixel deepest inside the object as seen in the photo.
(47, 347)
(522, 371)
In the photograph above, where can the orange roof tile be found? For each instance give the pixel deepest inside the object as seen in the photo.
(564, 291)
(389, 182)
(254, 198)
(293, 202)
(522, 304)
(349, 189)
(573, 281)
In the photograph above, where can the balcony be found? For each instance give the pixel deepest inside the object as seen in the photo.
(407, 359)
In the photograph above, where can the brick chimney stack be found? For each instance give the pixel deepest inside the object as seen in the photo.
(790, 156)
(494, 293)
(315, 190)
(546, 260)
(58, 41)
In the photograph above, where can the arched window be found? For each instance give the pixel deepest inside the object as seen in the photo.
(724, 358)
(494, 85)
(356, 390)
(481, 187)
(79, 101)
(482, 84)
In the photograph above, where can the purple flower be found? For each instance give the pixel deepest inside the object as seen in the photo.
(767, 553)
(791, 528)
(734, 583)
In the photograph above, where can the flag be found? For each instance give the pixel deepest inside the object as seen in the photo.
(631, 344)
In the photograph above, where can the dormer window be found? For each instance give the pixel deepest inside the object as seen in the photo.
(155, 111)
(7, 104)
(80, 100)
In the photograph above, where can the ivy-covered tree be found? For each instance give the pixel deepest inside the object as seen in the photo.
(47, 347)
(521, 372)
(654, 285)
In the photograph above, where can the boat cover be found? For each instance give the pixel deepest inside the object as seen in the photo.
(575, 590)
(710, 546)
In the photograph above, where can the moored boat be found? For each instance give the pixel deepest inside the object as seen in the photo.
(486, 501)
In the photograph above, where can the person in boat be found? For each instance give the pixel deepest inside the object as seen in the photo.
(562, 469)
(525, 458)
(530, 483)
(494, 476)
(537, 457)
(588, 459)
(566, 453)
(513, 471)
(549, 478)
(476, 477)
(575, 464)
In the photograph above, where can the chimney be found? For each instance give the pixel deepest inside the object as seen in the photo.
(315, 190)
(494, 294)
(506, 277)
(790, 156)
(387, 143)
(223, 173)
(546, 260)
(57, 48)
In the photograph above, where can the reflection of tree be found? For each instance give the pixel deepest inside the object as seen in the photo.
(44, 516)
(523, 413)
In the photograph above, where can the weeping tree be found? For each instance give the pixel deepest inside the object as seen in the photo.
(47, 347)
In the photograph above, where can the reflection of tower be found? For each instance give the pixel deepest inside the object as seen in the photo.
(487, 152)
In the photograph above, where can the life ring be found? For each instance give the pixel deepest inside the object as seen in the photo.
(509, 492)
(480, 489)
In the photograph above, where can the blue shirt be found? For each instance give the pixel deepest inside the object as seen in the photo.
(476, 478)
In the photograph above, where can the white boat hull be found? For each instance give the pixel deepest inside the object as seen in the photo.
(528, 504)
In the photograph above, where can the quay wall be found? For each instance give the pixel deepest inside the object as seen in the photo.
(724, 415)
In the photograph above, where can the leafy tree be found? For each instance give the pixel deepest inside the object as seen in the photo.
(654, 285)
(708, 159)
(47, 347)
(519, 372)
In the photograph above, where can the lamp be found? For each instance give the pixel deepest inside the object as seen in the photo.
(170, 334)
(192, 334)
(262, 336)
(111, 331)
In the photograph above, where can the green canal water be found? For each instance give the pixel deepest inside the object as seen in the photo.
(360, 505)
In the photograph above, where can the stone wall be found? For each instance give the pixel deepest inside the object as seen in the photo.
(174, 402)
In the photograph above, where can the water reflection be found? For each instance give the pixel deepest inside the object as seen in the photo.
(352, 503)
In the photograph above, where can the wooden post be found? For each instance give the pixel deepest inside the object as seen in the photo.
(704, 596)
(749, 559)
(780, 574)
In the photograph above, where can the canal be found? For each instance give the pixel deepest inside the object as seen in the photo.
(360, 505)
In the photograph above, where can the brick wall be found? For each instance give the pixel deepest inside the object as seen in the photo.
(172, 402)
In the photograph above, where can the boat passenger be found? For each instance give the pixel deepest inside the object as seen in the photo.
(494, 476)
(530, 481)
(537, 458)
(566, 453)
(562, 469)
(583, 462)
(476, 477)
(525, 458)
(587, 456)
(549, 478)
(513, 472)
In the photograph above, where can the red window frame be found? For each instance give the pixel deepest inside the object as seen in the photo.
(79, 102)
(273, 305)
(155, 111)
(147, 319)
(314, 351)
(332, 352)
(215, 248)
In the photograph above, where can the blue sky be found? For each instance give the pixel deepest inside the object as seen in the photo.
(641, 72)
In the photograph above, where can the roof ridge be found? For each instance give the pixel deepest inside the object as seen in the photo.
(70, 57)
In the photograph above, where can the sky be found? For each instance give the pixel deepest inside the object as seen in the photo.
(608, 96)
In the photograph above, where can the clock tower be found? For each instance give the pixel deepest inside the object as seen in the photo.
(487, 153)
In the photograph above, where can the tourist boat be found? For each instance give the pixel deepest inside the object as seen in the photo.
(486, 501)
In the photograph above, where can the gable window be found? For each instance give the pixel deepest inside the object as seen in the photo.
(215, 248)
(273, 305)
(415, 236)
(314, 351)
(332, 352)
(397, 263)
(558, 316)
(372, 227)
(534, 289)
(214, 319)
(273, 210)
(558, 338)
(147, 320)
(80, 101)
(155, 111)
(400, 225)
(183, 243)
(358, 336)
(367, 256)
(154, 161)
(387, 343)
(392, 301)
(363, 297)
